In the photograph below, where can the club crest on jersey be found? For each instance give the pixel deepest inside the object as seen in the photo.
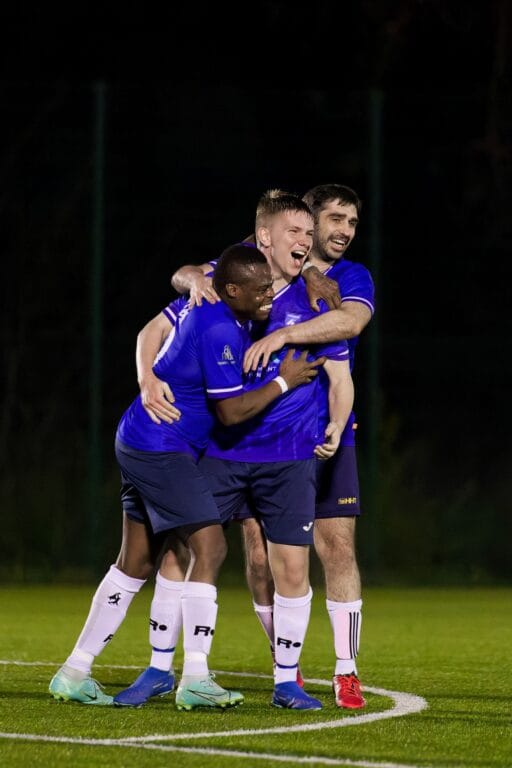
(227, 356)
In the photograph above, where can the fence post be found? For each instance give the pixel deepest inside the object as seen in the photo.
(96, 329)
(374, 218)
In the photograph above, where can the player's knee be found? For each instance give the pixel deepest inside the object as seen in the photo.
(210, 546)
(137, 569)
(333, 540)
(344, 555)
(258, 574)
(220, 553)
(337, 557)
(291, 579)
(257, 559)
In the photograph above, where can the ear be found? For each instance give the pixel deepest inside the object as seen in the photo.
(263, 236)
(232, 290)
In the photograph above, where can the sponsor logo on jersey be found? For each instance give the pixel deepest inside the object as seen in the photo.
(292, 318)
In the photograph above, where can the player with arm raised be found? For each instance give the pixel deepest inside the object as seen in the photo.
(336, 209)
(278, 440)
(164, 491)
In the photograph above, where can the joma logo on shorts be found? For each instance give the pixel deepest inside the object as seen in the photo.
(347, 500)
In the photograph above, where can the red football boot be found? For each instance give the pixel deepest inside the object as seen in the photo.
(347, 691)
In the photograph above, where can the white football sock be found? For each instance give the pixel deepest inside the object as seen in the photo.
(108, 609)
(265, 614)
(291, 619)
(199, 609)
(165, 622)
(346, 622)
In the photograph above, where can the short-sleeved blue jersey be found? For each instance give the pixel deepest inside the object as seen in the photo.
(287, 429)
(355, 284)
(172, 310)
(203, 363)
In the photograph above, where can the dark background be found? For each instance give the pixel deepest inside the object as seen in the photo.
(132, 144)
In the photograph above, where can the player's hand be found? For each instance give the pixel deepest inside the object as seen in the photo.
(261, 350)
(298, 370)
(318, 286)
(331, 444)
(157, 400)
(200, 289)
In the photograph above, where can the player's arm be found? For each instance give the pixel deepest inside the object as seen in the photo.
(156, 395)
(337, 324)
(194, 280)
(341, 401)
(292, 373)
(319, 286)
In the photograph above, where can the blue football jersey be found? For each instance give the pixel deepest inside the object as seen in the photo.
(201, 360)
(288, 429)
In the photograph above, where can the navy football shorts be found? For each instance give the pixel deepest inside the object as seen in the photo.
(337, 493)
(168, 489)
(246, 511)
(282, 494)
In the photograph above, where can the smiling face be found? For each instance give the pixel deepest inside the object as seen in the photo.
(286, 241)
(250, 298)
(335, 229)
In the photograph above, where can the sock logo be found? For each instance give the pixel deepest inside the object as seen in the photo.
(108, 638)
(202, 630)
(155, 625)
(287, 643)
(114, 599)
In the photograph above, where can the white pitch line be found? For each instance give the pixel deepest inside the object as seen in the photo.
(404, 704)
(13, 663)
(295, 759)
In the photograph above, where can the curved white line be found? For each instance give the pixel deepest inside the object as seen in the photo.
(404, 704)
(208, 751)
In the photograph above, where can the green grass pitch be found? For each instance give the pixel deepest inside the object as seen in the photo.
(450, 647)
